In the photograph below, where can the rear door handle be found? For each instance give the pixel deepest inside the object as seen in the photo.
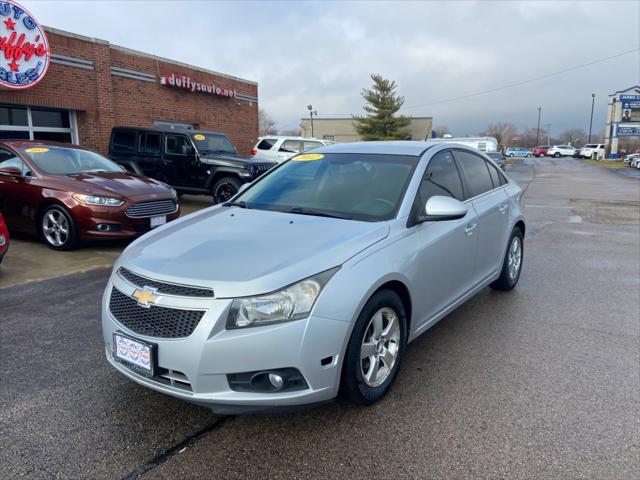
(470, 228)
(503, 208)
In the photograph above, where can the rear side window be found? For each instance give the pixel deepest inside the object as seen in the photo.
(476, 173)
(441, 178)
(308, 145)
(267, 143)
(291, 146)
(150, 143)
(496, 176)
(123, 140)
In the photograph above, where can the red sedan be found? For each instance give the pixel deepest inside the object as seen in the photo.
(4, 238)
(66, 193)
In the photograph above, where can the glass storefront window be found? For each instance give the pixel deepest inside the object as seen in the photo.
(35, 123)
(14, 116)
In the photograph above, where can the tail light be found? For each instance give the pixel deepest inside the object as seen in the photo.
(254, 152)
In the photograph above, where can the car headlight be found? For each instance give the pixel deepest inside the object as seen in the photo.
(290, 303)
(102, 201)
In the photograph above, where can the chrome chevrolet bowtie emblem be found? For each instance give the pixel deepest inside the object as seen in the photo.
(145, 296)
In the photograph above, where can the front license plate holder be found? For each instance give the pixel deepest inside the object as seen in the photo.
(157, 220)
(135, 354)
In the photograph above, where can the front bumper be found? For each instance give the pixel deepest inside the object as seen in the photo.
(195, 368)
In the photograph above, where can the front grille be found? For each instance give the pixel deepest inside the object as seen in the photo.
(162, 322)
(260, 168)
(148, 209)
(163, 287)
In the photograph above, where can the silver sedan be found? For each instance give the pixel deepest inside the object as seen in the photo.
(312, 281)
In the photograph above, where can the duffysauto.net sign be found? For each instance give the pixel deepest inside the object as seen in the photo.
(181, 81)
(24, 49)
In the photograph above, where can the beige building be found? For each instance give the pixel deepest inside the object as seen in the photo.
(341, 130)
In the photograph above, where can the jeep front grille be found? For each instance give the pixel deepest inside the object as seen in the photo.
(260, 168)
(155, 321)
(149, 209)
(163, 287)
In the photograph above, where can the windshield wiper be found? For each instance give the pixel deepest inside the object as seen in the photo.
(317, 213)
(241, 204)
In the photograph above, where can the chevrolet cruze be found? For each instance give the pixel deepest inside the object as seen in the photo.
(313, 279)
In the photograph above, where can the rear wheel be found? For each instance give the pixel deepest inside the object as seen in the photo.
(225, 188)
(375, 349)
(58, 229)
(512, 264)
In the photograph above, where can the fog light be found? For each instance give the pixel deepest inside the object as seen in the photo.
(268, 381)
(276, 380)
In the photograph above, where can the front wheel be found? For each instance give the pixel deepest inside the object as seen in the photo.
(375, 349)
(556, 155)
(58, 229)
(512, 263)
(225, 188)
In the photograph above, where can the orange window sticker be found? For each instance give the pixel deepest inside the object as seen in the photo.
(308, 157)
(37, 150)
(199, 136)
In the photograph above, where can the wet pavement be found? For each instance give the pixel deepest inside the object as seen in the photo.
(542, 382)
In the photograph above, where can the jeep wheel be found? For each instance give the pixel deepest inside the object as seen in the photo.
(225, 188)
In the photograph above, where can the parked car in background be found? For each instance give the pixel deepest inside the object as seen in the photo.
(496, 157)
(558, 151)
(517, 152)
(66, 193)
(630, 158)
(484, 144)
(4, 238)
(635, 162)
(319, 271)
(276, 148)
(540, 150)
(191, 161)
(594, 151)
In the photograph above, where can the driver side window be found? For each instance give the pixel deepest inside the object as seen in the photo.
(441, 178)
(8, 159)
(178, 145)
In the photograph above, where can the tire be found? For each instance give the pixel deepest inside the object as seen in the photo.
(509, 276)
(355, 385)
(224, 189)
(57, 228)
(556, 155)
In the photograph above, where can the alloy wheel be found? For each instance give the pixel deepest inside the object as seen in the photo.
(380, 347)
(55, 228)
(224, 192)
(515, 258)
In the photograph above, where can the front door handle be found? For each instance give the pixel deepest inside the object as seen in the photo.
(503, 208)
(470, 228)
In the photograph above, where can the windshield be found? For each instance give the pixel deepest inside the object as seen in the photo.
(54, 160)
(354, 186)
(212, 143)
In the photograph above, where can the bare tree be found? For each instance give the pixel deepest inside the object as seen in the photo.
(501, 131)
(441, 131)
(292, 132)
(266, 124)
(574, 136)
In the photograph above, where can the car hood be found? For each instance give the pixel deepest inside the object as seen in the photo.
(115, 183)
(240, 252)
(229, 159)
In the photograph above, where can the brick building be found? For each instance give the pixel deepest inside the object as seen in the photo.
(92, 86)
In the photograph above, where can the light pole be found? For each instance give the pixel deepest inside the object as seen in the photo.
(538, 129)
(548, 134)
(312, 112)
(593, 99)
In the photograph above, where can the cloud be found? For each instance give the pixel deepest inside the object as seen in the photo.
(323, 53)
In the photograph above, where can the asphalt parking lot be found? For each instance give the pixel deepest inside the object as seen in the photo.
(542, 382)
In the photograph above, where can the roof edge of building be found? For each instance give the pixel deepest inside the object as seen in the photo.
(77, 36)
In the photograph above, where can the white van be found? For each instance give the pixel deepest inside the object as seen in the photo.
(484, 144)
(277, 148)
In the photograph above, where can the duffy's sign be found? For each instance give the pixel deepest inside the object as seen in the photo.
(24, 50)
(180, 81)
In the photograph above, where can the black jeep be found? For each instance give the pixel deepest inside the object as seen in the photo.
(191, 161)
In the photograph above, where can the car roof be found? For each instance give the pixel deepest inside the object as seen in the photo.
(392, 147)
(293, 137)
(168, 130)
(19, 143)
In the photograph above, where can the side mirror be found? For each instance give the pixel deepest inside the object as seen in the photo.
(11, 171)
(243, 187)
(440, 208)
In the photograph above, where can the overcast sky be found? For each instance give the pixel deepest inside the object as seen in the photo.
(323, 53)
